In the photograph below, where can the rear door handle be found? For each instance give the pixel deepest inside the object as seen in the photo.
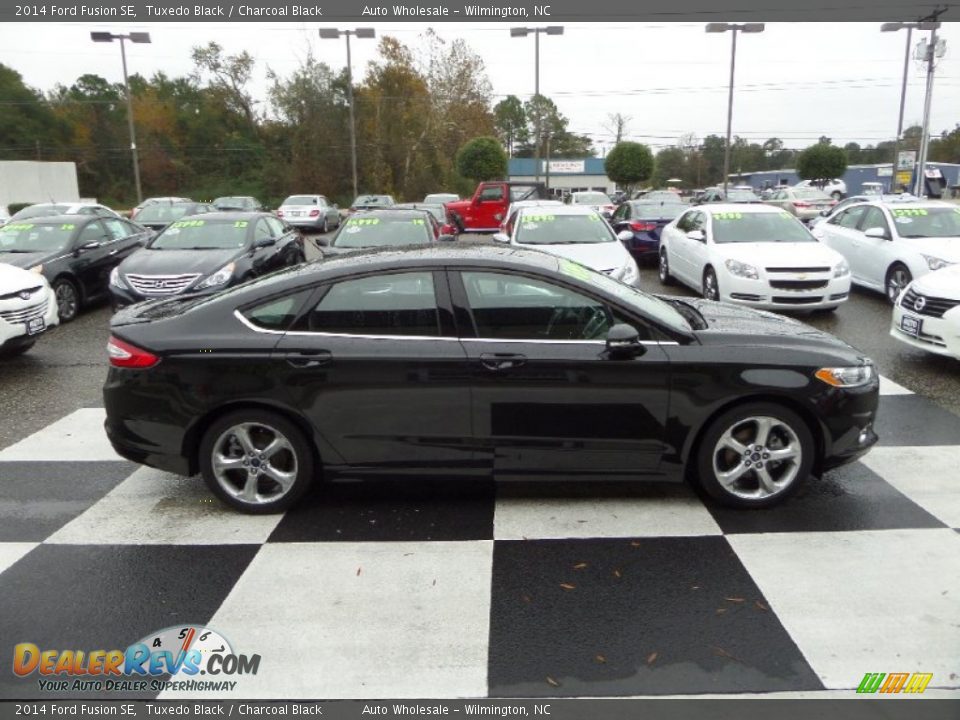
(308, 358)
(502, 361)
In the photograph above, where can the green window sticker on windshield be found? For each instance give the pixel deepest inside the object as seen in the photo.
(908, 212)
(537, 218)
(568, 267)
(67, 227)
(241, 223)
(417, 221)
(17, 227)
(188, 223)
(363, 221)
(728, 216)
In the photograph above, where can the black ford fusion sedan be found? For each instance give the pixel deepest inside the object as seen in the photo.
(478, 360)
(205, 254)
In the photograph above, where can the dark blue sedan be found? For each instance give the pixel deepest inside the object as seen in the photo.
(644, 219)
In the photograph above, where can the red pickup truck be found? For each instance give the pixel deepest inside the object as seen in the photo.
(484, 212)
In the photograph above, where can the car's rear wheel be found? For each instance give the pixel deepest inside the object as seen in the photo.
(326, 227)
(836, 195)
(68, 299)
(898, 277)
(664, 269)
(711, 289)
(755, 455)
(256, 461)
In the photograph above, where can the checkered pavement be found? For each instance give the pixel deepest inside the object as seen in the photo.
(466, 589)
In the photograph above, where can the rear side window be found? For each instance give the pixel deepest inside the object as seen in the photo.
(397, 304)
(278, 313)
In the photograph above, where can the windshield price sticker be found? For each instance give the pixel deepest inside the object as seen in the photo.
(417, 221)
(240, 224)
(728, 216)
(908, 212)
(364, 221)
(67, 227)
(17, 227)
(537, 218)
(568, 267)
(188, 223)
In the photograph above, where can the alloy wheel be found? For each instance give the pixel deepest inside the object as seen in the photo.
(67, 301)
(710, 289)
(757, 457)
(897, 281)
(254, 463)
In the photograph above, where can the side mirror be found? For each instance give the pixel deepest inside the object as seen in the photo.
(446, 238)
(264, 242)
(824, 213)
(320, 241)
(878, 233)
(624, 236)
(624, 341)
(501, 238)
(697, 235)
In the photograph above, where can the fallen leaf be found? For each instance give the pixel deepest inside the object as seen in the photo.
(635, 544)
(552, 681)
(694, 587)
(760, 605)
(579, 566)
(567, 586)
(616, 573)
(434, 581)
(721, 611)
(651, 658)
(720, 651)
(358, 572)
(600, 659)
(734, 599)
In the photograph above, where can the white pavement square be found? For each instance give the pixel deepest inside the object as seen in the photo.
(930, 476)
(361, 620)
(549, 518)
(10, 552)
(152, 507)
(879, 601)
(889, 387)
(78, 436)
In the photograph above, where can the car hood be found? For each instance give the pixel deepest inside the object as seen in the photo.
(599, 256)
(943, 283)
(178, 262)
(13, 279)
(28, 260)
(945, 248)
(779, 254)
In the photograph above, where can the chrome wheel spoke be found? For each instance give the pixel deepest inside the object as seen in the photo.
(249, 492)
(283, 478)
(242, 434)
(764, 426)
(276, 445)
(222, 463)
(787, 453)
(768, 486)
(729, 442)
(729, 477)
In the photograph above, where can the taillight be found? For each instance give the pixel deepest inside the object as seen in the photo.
(799, 204)
(314, 213)
(643, 226)
(279, 213)
(123, 354)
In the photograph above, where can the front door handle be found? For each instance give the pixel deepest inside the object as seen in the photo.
(502, 361)
(308, 358)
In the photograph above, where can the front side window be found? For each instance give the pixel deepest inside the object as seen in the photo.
(118, 229)
(277, 228)
(513, 307)
(491, 193)
(397, 304)
(874, 219)
(850, 218)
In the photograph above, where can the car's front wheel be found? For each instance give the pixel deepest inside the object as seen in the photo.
(256, 461)
(68, 299)
(898, 277)
(755, 455)
(711, 288)
(664, 268)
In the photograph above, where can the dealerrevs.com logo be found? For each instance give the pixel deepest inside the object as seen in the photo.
(183, 658)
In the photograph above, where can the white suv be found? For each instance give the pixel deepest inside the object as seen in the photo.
(835, 188)
(27, 309)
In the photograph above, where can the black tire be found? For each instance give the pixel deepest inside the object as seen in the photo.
(663, 269)
(898, 277)
(325, 227)
(296, 459)
(710, 289)
(836, 194)
(746, 490)
(15, 349)
(68, 299)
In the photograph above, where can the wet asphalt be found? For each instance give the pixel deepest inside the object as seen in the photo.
(67, 367)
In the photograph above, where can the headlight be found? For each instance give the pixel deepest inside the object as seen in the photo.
(37, 269)
(629, 273)
(935, 263)
(846, 377)
(116, 280)
(841, 270)
(220, 277)
(742, 269)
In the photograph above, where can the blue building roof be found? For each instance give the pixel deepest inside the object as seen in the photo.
(527, 166)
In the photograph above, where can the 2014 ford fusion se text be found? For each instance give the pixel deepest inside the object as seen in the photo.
(472, 361)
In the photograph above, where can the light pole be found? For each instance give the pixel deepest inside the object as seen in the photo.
(135, 37)
(523, 32)
(333, 34)
(909, 27)
(733, 28)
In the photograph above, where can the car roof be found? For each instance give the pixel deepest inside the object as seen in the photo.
(61, 218)
(395, 211)
(464, 252)
(565, 209)
(740, 208)
(228, 215)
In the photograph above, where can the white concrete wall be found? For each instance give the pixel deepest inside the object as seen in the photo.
(31, 181)
(570, 182)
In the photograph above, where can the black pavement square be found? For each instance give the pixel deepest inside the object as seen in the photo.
(38, 498)
(914, 420)
(392, 510)
(105, 597)
(620, 617)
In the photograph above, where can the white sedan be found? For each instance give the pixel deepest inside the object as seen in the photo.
(576, 233)
(27, 309)
(927, 314)
(888, 245)
(755, 255)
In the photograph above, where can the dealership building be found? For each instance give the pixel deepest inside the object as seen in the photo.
(942, 178)
(563, 176)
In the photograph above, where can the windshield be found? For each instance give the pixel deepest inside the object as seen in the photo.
(232, 202)
(373, 200)
(28, 237)
(741, 196)
(595, 198)
(645, 303)
(928, 222)
(162, 213)
(300, 200)
(440, 198)
(41, 211)
(542, 228)
(747, 227)
(810, 194)
(523, 192)
(364, 232)
(202, 235)
(658, 209)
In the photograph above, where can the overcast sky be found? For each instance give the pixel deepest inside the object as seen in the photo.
(794, 81)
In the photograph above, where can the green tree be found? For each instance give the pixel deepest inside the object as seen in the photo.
(670, 163)
(821, 162)
(629, 163)
(510, 122)
(482, 158)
